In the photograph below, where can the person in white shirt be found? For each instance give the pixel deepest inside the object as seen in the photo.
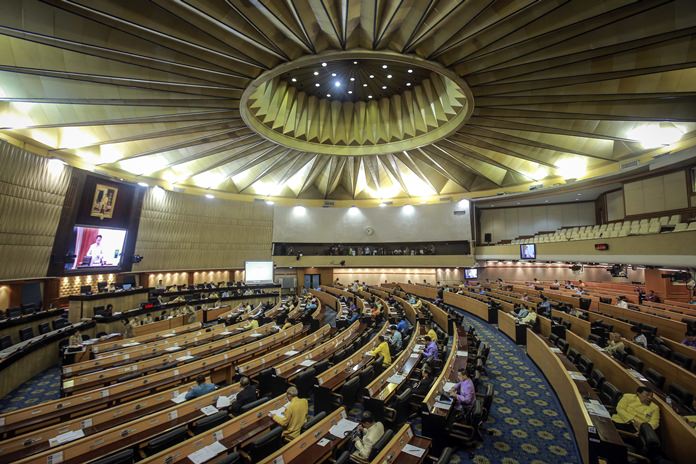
(622, 303)
(369, 433)
(96, 252)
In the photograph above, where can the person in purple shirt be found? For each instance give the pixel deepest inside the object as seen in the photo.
(430, 352)
(463, 391)
(690, 340)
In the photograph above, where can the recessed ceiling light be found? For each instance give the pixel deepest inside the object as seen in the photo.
(316, 73)
(328, 95)
(355, 62)
(382, 205)
(364, 85)
(143, 184)
(372, 76)
(323, 65)
(333, 74)
(350, 91)
(316, 85)
(369, 96)
(408, 84)
(337, 84)
(384, 66)
(352, 79)
(384, 87)
(209, 196)
(410, 71)
(293, 79)
(269, 202)
(389, 76)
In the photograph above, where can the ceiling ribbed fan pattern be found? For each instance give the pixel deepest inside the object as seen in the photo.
(154, 90)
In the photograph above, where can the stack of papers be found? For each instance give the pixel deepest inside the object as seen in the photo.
(291, 353)
(413, 450)
(323, 442)
(173, 348)
(596, 408)
(207, 453)
(448, 386)
(441, 405)
(66, 437)
(555, 350)
(414, 355)
(396, 378)
(307, 363)
(462, 353)
(637, 375)
(576, 375)
(279, 412)
(343, 428)
(222, 402)
(418, 348)
(209, 410)
(179, 398)
(596, 347)
(184, 358)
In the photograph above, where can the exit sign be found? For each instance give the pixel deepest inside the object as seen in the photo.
(601, 246)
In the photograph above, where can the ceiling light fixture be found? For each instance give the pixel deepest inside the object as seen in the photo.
(656, 135)
(293, 79)
(316, 85)
(333, 74)
(328, 95)
(323, 65)
(372, 76)
(410, 71)
(408, 84)
(369, 96)
(143, 184)
(389, 76)
(209, 196)
(364, 85)
(355, 62)
(352, 79)
(316, 73)
(384, 87)
(350, 92)
(337, 84)
(384, 66)
(269, 202)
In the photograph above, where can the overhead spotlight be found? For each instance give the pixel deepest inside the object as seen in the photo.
(384, 87)
(352, 79)
(328, 95)
(293, 79)
(333, 74)
(408, 84)
(384, 66)
(316, 85)
(389, 76)
(355, 62)
(143, 184)
(270, 202)
(209, 196)
(350, 92)
(382, 204)
(410, 71)
(408, 209)
(372, 76)
(323, 65)
(337, 84)
(364, 85)
(316, 73)
(369, 96)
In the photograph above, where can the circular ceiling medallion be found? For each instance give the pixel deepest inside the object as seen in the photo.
(356, 103)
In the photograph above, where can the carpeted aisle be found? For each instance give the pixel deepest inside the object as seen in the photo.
(527, 422)
(43, 387)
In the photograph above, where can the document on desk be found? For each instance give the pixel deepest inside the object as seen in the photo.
(414, 355)
(207, 453)
(575, 375)
(413, 450)
(185, 358)
(209, 410)
(173, 348)
(637, 375)
(343, 428)
(418, 348)
(179, 398)
(168, 335)
(441, 405)
(555, 350)
(307, 362)
(66, 437)
(448, 386)
(279, 412)
(291, 353)
(462, 353)
(396, 378)
(323, 442)
(126, 345)
(596, 408)
(222, 402)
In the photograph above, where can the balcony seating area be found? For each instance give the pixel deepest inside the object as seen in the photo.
(656, 225)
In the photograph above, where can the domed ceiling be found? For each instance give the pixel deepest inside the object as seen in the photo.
(347, 100)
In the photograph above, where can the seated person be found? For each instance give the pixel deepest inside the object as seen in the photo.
(418, 304)
(652, 296)
(690, 340)
(245, 396)
(369, 433)
(530, 318)
(403, 325)
(615, 344)
(148, 319)
(622, 303)
(520, 311)
(75, 340)
(430, 351)
(382, 350)
(395, 340)
(295, 415)
(253, 324)
(639, 338)
(635, 410)
(354, 316)
(422, 387)
(200, 389)
(431, 332)
(463, 391)
(544, 305)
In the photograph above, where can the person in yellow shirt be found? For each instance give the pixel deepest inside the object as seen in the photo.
(431, 332)
(637, 409)
(615, 343)
(418, 305)
(295, 415)
(252, 325)
(530, 318)
(382, 350)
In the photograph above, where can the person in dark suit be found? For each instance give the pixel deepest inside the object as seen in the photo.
(422, 387)
(245, 396)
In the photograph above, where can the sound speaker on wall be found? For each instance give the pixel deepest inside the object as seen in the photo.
(487, 238)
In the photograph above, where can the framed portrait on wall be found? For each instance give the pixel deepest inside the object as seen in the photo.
(104, 201)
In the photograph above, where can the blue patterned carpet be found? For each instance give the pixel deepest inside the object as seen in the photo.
(527, 422)
(43, 387)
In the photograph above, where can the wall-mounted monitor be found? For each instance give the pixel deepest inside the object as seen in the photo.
(95, 247)
(258, 272)
(471, 273)
(528, 251)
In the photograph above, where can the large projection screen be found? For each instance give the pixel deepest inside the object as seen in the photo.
(258, 272)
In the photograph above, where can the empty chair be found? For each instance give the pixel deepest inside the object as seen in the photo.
(349, 391)
(126, 456)
(249, 406)
(676, 218)
(26, 333)
(265, 444)
(573, 355)
(5, 342)
(339, 356)
(682, 360)
(321, 366)
(305, 382)
(584, 364)
(562, 344)
(208, 422)
(595, 338)
(654, 377)
(366, 376)
(596, 379)
(266, 380)
(44, 328)
(680, 394)
(553, 338)
(664, 351)
(400, 408)
(14, 312)
(680, 227)
(344, 458)
(232, 458)
(312, 421)
(609, 394)
(634, 362)
(60, 323)
(445, 456)
(166, 440)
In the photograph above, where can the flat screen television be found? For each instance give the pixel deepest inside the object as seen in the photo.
(528, 251)
(257, 272)
(95, 247)
(471, 273)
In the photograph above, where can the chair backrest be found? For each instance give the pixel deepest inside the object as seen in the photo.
(5, 342)
(44, 327)
(445, 456)
(14, 312)
(401, 406)
(683, 360)
(265, 444)
(610, 394)
(344, 458)
(664, 351)
(313, 421)
(232, 458)
(585, 364)
(126, 456)
(680, 394)
(166, 440)
(634, 362)
(265, 380)
(573, 355)
(305, 382)
(655, 377)
(26, 333)
(253, 404)
(553, 338)
(563, 344)
(321, 366)
(596, 379)
(386, 438)
(349, 391)
(367, 375)
(208, 422)
(339, 356)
